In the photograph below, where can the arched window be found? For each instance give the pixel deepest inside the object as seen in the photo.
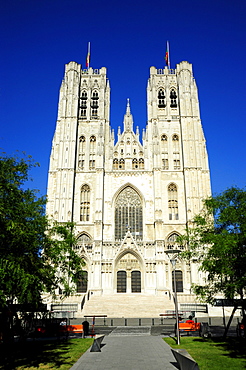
(164, 137)
(115, 164)
(85, 203)
(175, 137)
(82, 143)
(128, 214)
(179, 281)
(83, 104)
(122, 164)
(141, 163)
(82, 282)
(134, 163)
(173, 202)
(171, 241)
(161, 99)
(84, 241)
(173, 98)
(164, 144)
(94, 104)
(92, 144)
(175, 140)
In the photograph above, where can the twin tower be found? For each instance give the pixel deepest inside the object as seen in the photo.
(129, 198)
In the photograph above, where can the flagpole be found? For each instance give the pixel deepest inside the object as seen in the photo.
(169, 63)
(88, 56)
(167, 56)
(89, 53)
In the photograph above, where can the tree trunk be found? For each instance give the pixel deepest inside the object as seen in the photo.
(229, 322)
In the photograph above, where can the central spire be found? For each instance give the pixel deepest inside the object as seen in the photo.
(128, 119)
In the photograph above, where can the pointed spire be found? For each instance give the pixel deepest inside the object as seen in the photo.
(128, 109)
(128, 119)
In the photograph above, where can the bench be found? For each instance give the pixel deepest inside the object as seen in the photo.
(190, 327)
(72, 329)
(96, 345)
(184, 359)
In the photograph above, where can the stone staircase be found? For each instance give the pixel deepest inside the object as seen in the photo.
(127, 305)
(130, 330)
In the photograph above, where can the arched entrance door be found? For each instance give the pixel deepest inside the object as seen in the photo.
(179, 281)
(128, 274)
(121, 281)
(136, 281)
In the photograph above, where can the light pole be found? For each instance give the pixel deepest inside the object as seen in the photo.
(174, 253)
(173, 262)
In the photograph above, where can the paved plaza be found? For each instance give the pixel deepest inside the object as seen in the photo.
(128, 351)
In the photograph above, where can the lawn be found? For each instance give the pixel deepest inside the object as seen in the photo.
(42, 354)
(214, 353)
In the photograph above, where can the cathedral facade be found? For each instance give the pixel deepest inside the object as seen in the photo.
(129, 198)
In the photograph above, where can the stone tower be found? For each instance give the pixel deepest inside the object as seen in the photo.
(129, 199)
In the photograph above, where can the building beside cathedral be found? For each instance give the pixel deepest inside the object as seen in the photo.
(129, 198)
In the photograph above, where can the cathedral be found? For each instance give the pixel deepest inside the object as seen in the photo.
(130, 197)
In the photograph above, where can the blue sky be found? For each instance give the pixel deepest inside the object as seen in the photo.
(39, 37)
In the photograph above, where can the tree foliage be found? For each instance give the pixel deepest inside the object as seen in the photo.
(217, 239)
(31, 249)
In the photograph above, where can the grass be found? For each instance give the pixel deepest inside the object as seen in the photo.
(43, 354)
(214, 353)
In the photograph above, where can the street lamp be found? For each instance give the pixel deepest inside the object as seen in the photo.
(174, 253)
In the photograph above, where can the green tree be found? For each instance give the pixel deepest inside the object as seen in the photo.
(217, 239)
(31, 249)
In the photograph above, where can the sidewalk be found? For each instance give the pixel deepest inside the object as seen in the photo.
(140, 352)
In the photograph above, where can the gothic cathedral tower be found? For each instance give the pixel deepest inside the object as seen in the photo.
(131, 199)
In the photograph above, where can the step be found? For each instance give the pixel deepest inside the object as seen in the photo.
(127, 305)
(130, 330)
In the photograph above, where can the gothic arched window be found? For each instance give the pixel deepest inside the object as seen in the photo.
(175, 140)
(94, 104)
(164, 143)
(85, 203)
(128, 214)
(161, 99)
(84, 240)
(81, 152)
(175, 137)
(173, 202)
(122, 164)
(141, 163)
(81, 144)
(115, 164)
(92, 144)
(171, 241)
(173, 98)
(134, 163)
(83, 104)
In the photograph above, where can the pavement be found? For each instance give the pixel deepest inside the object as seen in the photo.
(131, 350)
(135, 348)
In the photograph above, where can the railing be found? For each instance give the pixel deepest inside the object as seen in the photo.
(194, 307)
(162, 71)
(94, 72)
(64, 307)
